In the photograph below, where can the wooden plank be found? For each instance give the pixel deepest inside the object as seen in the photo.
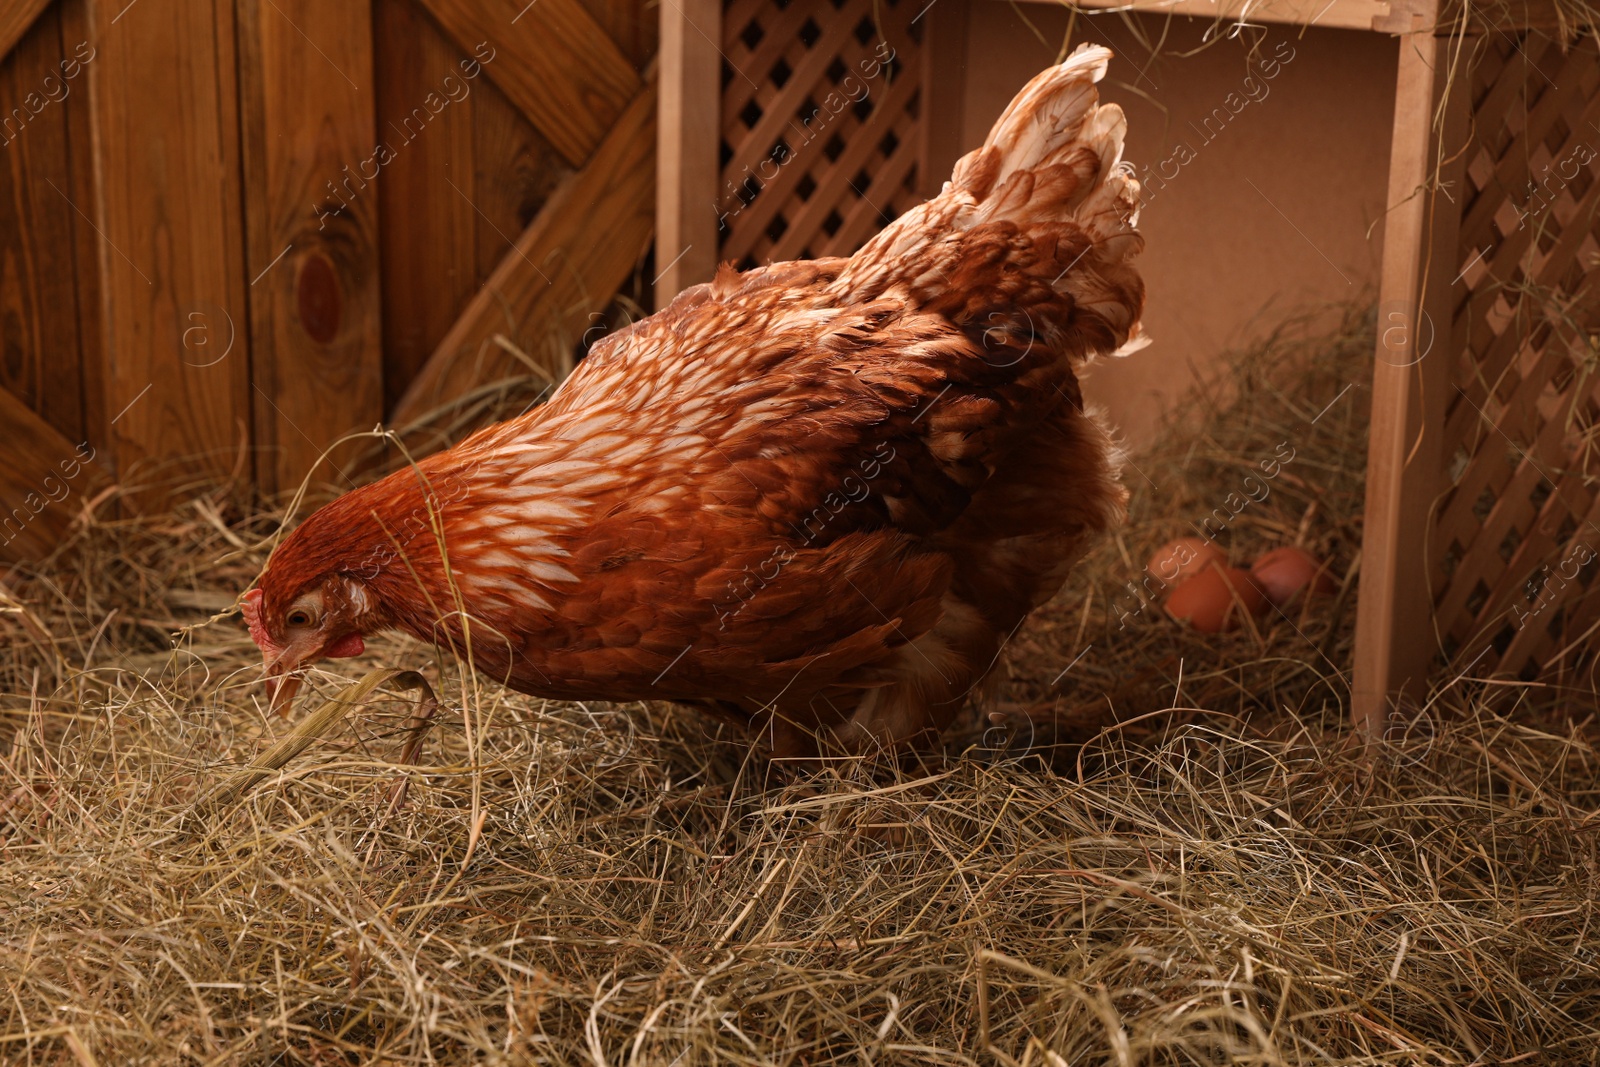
(16, 18)
(310, 156)
(630, 25)
(1339, 14)
(567, 264)
(44, 481)
(687, 138)
(40, 360)
(1428, 16)
(165, 124)
(1384, 16)
(516, 171)
(552, 60)
(88, 307)
(1395, 637)
(944, 82)
(425, 194)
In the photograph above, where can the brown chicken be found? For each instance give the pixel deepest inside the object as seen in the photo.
(815, 498)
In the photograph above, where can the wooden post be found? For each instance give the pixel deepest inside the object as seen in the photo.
(174, 354)
(1395, 634)
(311, 155)
(687, 139)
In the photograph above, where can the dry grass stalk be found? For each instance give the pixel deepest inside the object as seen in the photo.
(319, 722)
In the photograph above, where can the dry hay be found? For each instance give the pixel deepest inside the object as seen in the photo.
(1215, 877)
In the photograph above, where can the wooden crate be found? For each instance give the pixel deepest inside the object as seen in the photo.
(1481, 483)
(1484, 481)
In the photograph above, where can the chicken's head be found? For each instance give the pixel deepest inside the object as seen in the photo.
(297, 627)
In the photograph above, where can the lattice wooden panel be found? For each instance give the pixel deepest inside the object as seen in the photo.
(1516, 538)
(820, 131)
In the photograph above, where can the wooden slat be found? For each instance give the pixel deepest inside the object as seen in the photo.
(1395, 640)
(515, 173)
(779, 195)
(44, 481)
(1533, 639)
(1536, 547)
(756, 144)
(1512, 509)
(165, 112)
(630, 24)
(1483, 562)
(944, 80)
(552, 60)
(1487, 468)
(870, 213)
(42, 360)
(834, 192)
(687, 133)
(16, 18)
(307, 90)
(835, 158)
(1338, 14)
(780, 39)
(425, 195)
(88, 307)
(567, 264)
(1512, 171)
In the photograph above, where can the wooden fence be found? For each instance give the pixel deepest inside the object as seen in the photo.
(233, 230)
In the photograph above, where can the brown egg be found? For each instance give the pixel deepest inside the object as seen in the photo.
(1210, 600)
(1183, 558)
(1284, 572)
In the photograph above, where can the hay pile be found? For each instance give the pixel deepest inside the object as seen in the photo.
(1214, 878)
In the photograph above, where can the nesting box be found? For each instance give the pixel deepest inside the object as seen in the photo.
(1480, 525)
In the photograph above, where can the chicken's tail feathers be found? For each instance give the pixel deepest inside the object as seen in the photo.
(1041, 218)
(1056, 151)
(1047, 117)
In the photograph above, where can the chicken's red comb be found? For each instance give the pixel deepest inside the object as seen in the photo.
(250, 607)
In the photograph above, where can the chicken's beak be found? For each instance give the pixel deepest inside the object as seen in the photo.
(281, 689)
(285, 672)
(281, 665)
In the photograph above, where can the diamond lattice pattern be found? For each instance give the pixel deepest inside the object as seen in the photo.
(1516, 535)
(820, 125)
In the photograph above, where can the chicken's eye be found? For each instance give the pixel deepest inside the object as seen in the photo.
(298, 617)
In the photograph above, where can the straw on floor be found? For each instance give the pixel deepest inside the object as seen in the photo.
(1197, 870)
